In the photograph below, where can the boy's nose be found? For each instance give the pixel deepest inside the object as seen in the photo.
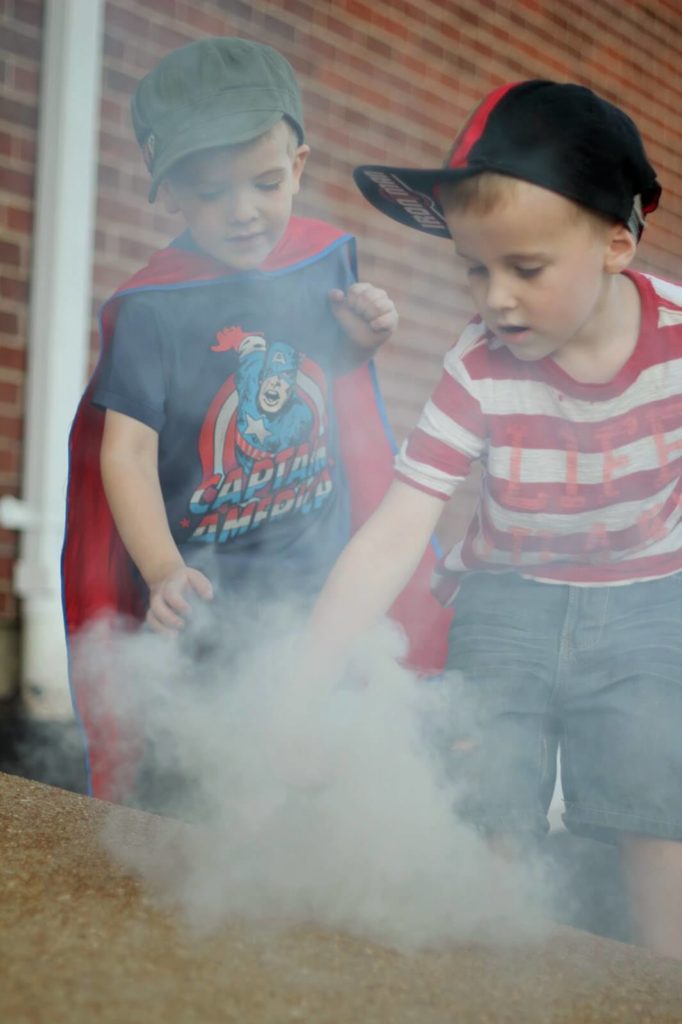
(500, 294)
(241, 209)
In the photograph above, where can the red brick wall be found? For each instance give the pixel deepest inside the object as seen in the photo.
(382, 80)
(20, 42)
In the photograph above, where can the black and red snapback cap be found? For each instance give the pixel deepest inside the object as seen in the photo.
(562, 137)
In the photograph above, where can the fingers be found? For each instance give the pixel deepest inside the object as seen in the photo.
(158, 626)
(369, 302)
(200, 584)
(372, 304)
(384, 321)
(168, 607)
(162, 619)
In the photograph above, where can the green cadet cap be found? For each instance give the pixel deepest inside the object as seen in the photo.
(214, 92)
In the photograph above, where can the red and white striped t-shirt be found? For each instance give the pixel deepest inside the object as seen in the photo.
(582, 483)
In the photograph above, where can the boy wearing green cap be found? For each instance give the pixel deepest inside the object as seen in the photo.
(567, 389)
(220, 446)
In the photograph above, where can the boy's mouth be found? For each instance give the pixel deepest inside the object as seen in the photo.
(245, 239)
(511, 332)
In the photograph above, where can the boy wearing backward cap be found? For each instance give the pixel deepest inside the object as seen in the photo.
(567, 388)
(219, 448)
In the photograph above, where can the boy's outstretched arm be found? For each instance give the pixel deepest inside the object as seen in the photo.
(129, 465)
(373, 569)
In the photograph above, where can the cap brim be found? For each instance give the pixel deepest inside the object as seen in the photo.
(226, 130)
(408, 195)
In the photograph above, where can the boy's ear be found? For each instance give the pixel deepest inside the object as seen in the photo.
(620, 250)
(166, 195)
(300, 157)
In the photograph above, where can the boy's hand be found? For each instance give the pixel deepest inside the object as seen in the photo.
(366, 314)
(168, 605)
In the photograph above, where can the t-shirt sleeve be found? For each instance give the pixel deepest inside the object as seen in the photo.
(449, 436)
(131, 376)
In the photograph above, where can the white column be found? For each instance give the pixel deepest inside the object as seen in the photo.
(59, 324)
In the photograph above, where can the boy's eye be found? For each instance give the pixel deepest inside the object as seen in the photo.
(268, 186)
(527, 272)
(476, 271)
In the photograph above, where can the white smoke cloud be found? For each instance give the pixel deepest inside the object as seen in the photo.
(334, 811)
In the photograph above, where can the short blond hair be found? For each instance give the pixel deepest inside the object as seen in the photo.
(483, 192)
(480, 192)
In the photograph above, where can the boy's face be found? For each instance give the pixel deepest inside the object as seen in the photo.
(236, 200)
(537, 267)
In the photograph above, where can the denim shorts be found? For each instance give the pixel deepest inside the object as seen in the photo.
(595, 671)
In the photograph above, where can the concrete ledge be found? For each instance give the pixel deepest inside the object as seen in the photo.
(117, 955)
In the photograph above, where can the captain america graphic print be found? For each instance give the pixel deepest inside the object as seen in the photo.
(263, 443)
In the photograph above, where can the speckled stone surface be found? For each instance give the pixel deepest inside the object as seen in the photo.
(80, 943)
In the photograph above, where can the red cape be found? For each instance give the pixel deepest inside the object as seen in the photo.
(96, 569)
